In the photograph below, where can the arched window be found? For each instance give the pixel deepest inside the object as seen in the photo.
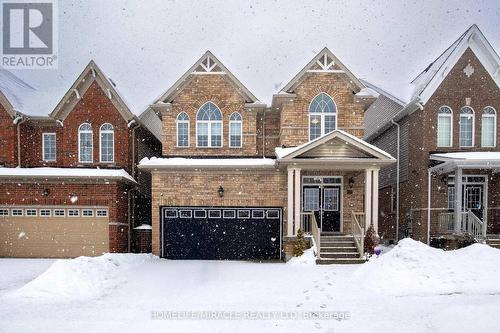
(209, 126)
(85, 144)
(183, 130)
(235, 130)
(466, 127)
(107, 143)
(445, 127)
(322, 116)
(489, 127)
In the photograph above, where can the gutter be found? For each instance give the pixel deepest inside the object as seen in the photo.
(19, 122)
(398, 147)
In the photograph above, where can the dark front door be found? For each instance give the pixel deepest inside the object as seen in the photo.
(324, 202)
(473, 199)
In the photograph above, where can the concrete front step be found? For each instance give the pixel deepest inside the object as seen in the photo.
(337, 238)
(337, 244)
(339, 261)
(339, 255)
(325, 249)
(493, 243)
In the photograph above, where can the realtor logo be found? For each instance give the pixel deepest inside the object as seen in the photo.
(29, 34)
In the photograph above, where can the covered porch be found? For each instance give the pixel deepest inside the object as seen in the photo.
(472, 202)
(332, 192)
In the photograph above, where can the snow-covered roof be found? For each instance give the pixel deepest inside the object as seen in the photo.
(468, 156)
(286, 153)
(14, 90)
(65, 173)
(176, 162)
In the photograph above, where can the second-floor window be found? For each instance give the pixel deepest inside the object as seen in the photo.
(107, 143)
(85, 145)
(466, 127)
(183, 130)
(49, 147)
(444, 127)
(488, 127)
(235, 130)
(209, 126)
(322, 116)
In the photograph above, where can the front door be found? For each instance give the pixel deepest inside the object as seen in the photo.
(473, 199)
(324, 202)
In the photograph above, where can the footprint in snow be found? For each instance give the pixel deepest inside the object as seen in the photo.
(305, 291)
(316, 286)
(329, 297)
(322, 289)
(330, 284)
(308, 298)
(299, 305)
(317, 325)
(323, 306)
(327, 277)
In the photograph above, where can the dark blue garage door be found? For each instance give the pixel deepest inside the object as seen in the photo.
(213, 233)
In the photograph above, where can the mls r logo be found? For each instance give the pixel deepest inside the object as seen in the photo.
(27, 28)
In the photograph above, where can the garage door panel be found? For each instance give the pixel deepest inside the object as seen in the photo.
(243, 236)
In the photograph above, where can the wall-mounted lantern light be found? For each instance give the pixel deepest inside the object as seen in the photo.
(221, 191)
(45, 192)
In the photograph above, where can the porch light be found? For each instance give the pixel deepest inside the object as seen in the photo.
(45, 192)
(221, 191)
(351, 182)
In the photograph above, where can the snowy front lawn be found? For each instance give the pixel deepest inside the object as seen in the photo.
(411, 288)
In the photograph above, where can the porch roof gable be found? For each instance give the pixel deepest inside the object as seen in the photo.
(465, 160)
(337, 145)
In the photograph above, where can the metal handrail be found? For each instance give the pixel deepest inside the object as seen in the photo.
(358, 233)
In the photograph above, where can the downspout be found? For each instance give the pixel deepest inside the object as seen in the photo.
(18, 121)
(264, 134)
(398, 147)
(130, 205)
(429, 178)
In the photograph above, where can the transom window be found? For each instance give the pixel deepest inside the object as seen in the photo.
(107, 142)
(209, 126)
(322, 116)
(31, 212)
(102, 212)
(183, 130)
(85, 145)
(73, 212)
(444, 127)
(466, 127)
(489, 127)
(235, 130)
(49, 147)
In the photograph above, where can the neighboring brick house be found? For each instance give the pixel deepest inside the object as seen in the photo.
(238, 179)
(69, 182)
(448, 135)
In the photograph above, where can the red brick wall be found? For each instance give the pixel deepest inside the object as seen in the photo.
(8, 139)
(95, 108)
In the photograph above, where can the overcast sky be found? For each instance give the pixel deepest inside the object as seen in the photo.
(146, 46)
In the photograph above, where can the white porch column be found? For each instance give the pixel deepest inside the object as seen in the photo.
(297, 194)
(375, 200)
(485, 208)
(458, 199)
(368, 198)
(289, 220)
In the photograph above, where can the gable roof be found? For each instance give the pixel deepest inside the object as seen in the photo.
(13, 92)
(430, 78)
(208, 64)
(362, 146)
(324, 62)
(92, 73)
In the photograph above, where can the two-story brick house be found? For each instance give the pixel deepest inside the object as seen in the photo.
(69, 183)
(238, 178)
(446, 140)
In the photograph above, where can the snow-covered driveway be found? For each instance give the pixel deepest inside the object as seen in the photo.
(118, 294)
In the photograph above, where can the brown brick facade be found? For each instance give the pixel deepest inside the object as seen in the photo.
(8, 139)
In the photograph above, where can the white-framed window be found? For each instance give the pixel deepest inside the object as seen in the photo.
(273, 214)
(466, 127)
(235, 130)
(258, 214)
(209, 126)
(87, 212)
(489, 127)
(4, 212)
(44, 212)
(185, 214)
(59, 212)
(243, 214)
(107, 143)
(451, 197)
(73, 212)
(214, 214)
(30, 212)
(445, 127)
(183, 130)
(229, 214)
(200, 214)
(101, 212)
(322, 116)
(16, 212)
(85, 143)
(169, 213)
(49, 147)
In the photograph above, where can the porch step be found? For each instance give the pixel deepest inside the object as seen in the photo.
(332, 233)
(325, 249)
(337, 238)
(493, 242)
(331, 261)
(337, 244)
(340, 255)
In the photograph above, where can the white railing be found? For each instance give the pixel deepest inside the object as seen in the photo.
(361, 219)
(305, 221)
(309, 221)
(469, 223)
(359, 233)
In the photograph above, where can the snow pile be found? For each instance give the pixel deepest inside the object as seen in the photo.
(413, 268)
(82, 278)
(307, 258)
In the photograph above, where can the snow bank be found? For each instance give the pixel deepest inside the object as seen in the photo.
(413, 268)
(307, 258)
(81, 278)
